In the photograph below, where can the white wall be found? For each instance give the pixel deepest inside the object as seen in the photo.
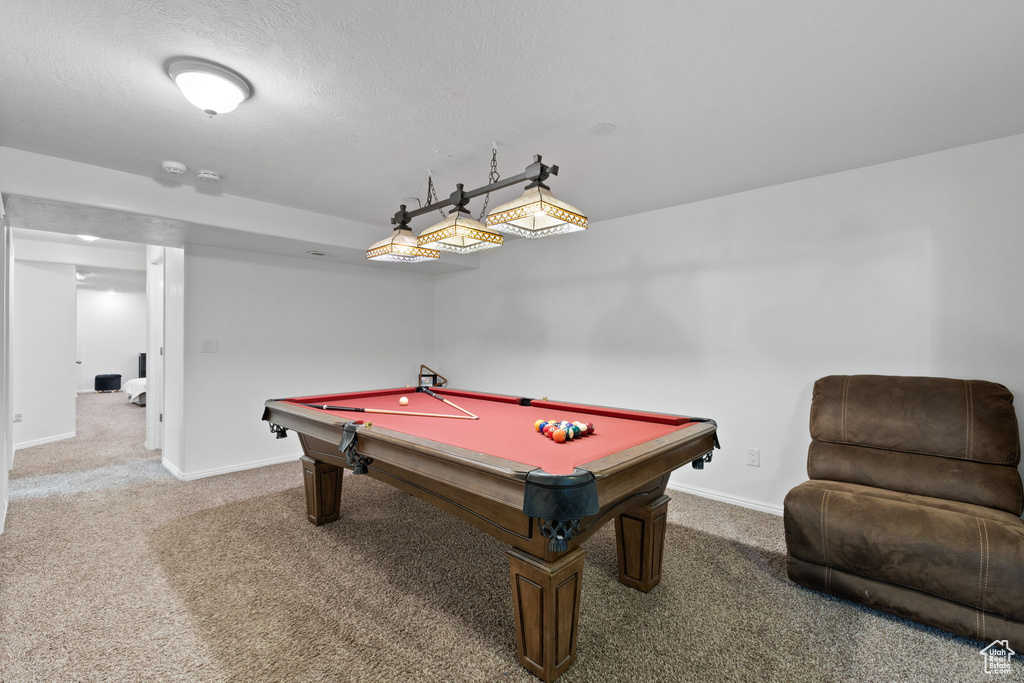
(111, 335)
(6, 395)
(174, 360)
(154, 347)
(731, 308)
(43, 351)
(287, 327)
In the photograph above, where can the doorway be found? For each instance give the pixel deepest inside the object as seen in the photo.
(114, 327)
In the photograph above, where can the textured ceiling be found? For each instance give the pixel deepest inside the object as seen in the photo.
(354, 101)
(67, 238)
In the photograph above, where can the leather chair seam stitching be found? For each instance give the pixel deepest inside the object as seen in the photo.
(903, 585)
(1020, 497)
(899, 450)
(821, 521)
(969, 447)
(984, 590)
(846, 384)
(904, 502)
(981, 568)
(828, 495)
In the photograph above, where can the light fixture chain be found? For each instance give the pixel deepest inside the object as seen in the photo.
(432, 193)
(492, 178)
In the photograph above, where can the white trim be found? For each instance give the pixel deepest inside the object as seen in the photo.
(93, 391)
(225, 470)
(40, 442)
(3, 517)
(725, 498)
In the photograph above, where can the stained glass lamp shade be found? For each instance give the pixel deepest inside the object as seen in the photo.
(536, 213)
(401, 247)
(460, 234)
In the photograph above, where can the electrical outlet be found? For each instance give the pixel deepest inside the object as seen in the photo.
(753, 457)
(17, 417)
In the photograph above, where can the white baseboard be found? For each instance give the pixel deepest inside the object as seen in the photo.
(726, 498)
(3, 517)
(226, 470)
(40, 442)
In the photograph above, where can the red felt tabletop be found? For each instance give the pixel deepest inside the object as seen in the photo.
(505, 428)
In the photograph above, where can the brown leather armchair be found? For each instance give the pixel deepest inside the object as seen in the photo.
(914, 502)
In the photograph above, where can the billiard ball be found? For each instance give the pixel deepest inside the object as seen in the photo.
(539, 424)
(403, 401)
(558, 435)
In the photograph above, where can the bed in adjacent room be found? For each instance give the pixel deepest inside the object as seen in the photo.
(136, 390)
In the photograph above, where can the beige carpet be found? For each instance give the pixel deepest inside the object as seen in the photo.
(223, 579)
(108, 430)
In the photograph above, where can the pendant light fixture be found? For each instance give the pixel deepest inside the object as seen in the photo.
(213, 88)
(402, 246)
(459, 233)
(535, 214)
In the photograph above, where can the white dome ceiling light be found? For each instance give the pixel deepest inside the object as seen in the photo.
(213, 88)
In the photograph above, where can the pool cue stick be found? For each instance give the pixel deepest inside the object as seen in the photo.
(441, 398)
(388, 412)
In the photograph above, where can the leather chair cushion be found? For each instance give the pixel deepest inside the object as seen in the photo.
(908, 603)
(960, 552)
(978, 483)
(950, 418)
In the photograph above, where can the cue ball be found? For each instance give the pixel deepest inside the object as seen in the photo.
(403, 401)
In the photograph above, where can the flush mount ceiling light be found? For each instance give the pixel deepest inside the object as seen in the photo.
(535, 214)
(213, 88)
(87, 238)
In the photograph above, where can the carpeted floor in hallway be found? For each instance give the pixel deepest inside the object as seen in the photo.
(108, 450)
(107, 575)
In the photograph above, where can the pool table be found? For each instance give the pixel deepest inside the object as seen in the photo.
(499, 474)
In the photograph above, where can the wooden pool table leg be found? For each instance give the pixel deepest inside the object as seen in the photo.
(546, 605)
(323, 490)
(640, 539)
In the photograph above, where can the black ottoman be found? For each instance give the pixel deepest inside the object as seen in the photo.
(108, 382)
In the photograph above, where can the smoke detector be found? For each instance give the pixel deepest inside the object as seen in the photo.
(174, 167)
(208, 176)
